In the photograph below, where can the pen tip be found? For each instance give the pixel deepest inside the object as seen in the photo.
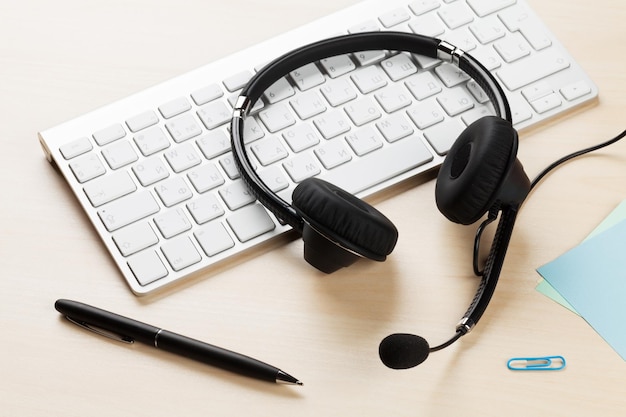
(286, 378)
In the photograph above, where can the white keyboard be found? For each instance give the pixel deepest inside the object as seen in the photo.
(155, 174)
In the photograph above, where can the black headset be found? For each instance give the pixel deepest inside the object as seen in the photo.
(480, 175)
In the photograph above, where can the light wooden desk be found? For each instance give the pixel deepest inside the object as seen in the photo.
(60, 59)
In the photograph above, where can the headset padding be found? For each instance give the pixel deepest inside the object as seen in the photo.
(344, 218)
(474, 169)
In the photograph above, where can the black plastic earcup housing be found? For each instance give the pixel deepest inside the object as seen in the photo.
(481, 170)
(337, 221)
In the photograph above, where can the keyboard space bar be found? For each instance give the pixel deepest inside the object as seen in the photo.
(381, 165)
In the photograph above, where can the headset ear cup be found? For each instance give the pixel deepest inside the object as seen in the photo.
(345, 219)
(475, 169)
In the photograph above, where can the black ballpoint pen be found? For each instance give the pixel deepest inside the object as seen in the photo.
(129, 330)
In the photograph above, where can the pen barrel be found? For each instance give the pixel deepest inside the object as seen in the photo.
(95, 317)
(215, 356)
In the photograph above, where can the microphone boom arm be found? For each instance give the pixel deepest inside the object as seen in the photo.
(493, 267)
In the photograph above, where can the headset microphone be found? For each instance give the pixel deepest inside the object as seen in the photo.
(403, 350)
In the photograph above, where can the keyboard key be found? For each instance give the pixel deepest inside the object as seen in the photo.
(301, 137)
(214, 144)
(119, 154)
(332, 124)
(127, 210)
(462, 38)
(427, 25)
(362, 111)
(87, 167)
(76, 147)
(575, 90)
(182, 157)
(337, 65)
(307, 77)
(301, 167)
(455, 101)
(394, 17)
(338, 92)
(252, 130)
(109, 134)
(206, 94)
(214, 114)
(443, 135)
(451, 75)
(237, 81)
(333, 153)
(426, 114)
(147, 267)
(172, 222)
(512, 48)
(142, 121)
(136, 237)
(278, 91)
(456, 15)
(236, 195)
(487, 30)
(486, 7)
(537, 90)
(205, 208)
(174, 107)
(369, 79)
(477, 92)
(228, 164)
(365, 58)
(367, 26)
(532, 69)
(393, 98)
(274, 178)
(423, 85)
(250, 222)
(269, 150)
(308, 104)
(172, 191)
(375, 167)
(183, 128)
(180, 253)
(151, 141)
(488, 57)
(399, 66)
(394, 128)
(213, 239)
(364, 140)
(150, 170)
(205, 177)
(520, 110)
(535, 36)
(546, 103)
(108, 188)
(422, 6)
(277, 117)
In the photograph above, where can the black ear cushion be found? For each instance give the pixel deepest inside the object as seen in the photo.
(474, 169)
(345, 218)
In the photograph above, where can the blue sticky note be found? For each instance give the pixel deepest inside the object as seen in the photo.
(617, 215)
(592, 278)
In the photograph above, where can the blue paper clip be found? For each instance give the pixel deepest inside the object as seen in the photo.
(541, 363)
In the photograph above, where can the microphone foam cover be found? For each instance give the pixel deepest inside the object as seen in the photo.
(403, 351)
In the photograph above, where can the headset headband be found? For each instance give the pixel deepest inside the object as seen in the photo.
(366, 41)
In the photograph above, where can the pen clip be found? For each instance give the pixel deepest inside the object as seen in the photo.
(102, 332)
